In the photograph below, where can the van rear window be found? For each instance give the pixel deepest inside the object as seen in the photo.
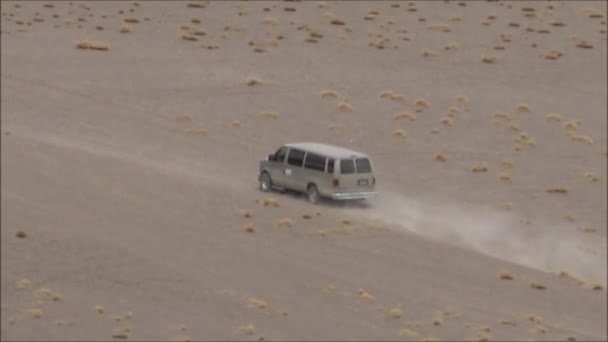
(363, 165)
(347, 166)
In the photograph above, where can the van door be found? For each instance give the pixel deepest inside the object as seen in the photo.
(277, 166)
(293, 174)
(356, 175)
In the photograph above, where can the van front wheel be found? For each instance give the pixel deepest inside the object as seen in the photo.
(313, 194)
(265, 182)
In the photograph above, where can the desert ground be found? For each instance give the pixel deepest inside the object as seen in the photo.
(132, 132)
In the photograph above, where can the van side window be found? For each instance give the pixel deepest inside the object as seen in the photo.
(279, 155)
(330, 166)
(314, 162)
(347, 166)
(295, 157)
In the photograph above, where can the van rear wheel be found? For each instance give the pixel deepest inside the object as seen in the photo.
(313, 194)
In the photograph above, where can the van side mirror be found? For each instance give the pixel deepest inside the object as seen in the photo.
(271, 157)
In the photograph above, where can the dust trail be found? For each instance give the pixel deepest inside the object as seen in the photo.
(550, 248)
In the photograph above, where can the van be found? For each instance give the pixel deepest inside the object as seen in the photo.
(319, 171)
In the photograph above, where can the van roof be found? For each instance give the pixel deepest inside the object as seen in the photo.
(327, 150)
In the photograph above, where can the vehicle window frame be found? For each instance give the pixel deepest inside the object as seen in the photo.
(291, 150)
(282, 148)
(369, 163)
(317, 167)
(352, 160)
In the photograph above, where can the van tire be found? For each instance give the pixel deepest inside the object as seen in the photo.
(265, 182)
(313, 194)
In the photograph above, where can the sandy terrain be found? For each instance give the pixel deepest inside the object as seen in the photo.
(131, 134)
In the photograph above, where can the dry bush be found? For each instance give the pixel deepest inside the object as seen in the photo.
(366, 296)
(125, 29)
(588, 229)
(337, 22)
(270, 202)
(391, 95)
(523, 108)
(407, 332)
(488, 59)
(250, 228)
(189, 37)
(438, 320)
(35, 312)
(344, 106)
(507, 322)
(270, 21)
(505, 275)
(24, 284)
(591, 176)
(434, 130)
(131, 20)
(269, 115)
(502, 115)
(257, 303)
(597, 287)
(396, 313)
(534, 318)
(514, 127)
(428, 53)
(246, 213)
(571, 125)
(248, 330)
(483, 167)
(559, 189)
(538, 286)
(451, 46)
(235, 123)
(195, 5)
(92, 45)
(406, 115)
(439, 157)
(569, 217)
(100, 309)
(184, 117)
(584, 45)
(284, 223)
(585, 139)
(421, 104)
(505, 176)
(507, 205)
(399, 133)
(440, 27)
(553, 117)
(553, 55)
(254, 81)
(447, 121)
(329, 93)
(21, 234)
(197, 131)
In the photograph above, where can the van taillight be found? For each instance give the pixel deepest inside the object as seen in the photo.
(336, 183)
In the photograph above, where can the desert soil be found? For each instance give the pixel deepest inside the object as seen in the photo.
(131, 136)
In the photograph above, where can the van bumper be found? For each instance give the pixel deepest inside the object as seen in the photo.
(342, 196)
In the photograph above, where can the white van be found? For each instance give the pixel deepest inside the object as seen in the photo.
(320, 171)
